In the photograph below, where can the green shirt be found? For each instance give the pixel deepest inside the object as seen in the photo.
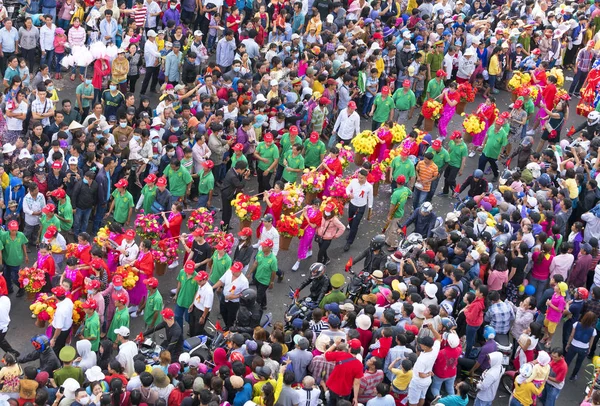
(121, 318)
(91, 330)
(65, 210)
(435, 87)
(219, 266)
(434, 60)
(187, 290)
(293, 162)
(66, 372)
(399, 197)
(122, 205)
(404, 101)
(286, 143)
(313, 153)
(400, 167)
(270, 153)
(266, 267)
(45, 222)
(149, 198)
(439, 158)
(382, 108)
(495, 142)
(178, 180)
(206, 183)
(335, 296)
(154, 304)
(12, 252)
(84, 90)
(234, 159)
(528, 106)
(457, 152)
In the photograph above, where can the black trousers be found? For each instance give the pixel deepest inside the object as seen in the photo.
(264, 181)
(450, 178)
(355, 215)
(261, 293)
(322, 255)
(196, 328)
(483, 160)
(227, 211)
(151, 73)
(30, 57)
(229, 312)
(4, 344)
(61, 341)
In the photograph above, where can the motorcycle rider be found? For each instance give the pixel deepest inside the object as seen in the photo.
(374, 256)
(336, 295)
(424, 220)
(49, 362)
(173, 333)
(592, 126)
(249, 314)
(319, 283)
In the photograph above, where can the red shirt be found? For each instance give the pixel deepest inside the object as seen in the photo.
(558, 370)
(175, 225)
(474, 313)
(446, 362)
(549, 94)
(3, 286)
(145, 264)
(343, 375)
(48, 265)
(235, 20)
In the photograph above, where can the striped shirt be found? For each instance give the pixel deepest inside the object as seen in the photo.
(584, 60)
(139, 15)
(425, 175)
(77, 36)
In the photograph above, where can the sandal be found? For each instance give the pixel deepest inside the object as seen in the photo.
(72, 77)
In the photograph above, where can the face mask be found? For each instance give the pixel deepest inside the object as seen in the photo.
(136, 137)
(85, 400)
(123, 125)
(170, 154)
(242, 238)
(88, 81)
(174, 144)
(106, 131)
(50, 88)
(175, 129)
(113, 88)
(85, 181)
(42, 163)
(155, 140)
(118, 287)
(328, 213)
(90, 292)
(287, 49)
(173, 7)
(236, 68)
(170, 92)
(99, 136)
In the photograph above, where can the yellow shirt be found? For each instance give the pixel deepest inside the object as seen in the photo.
(572, 186)
(380, 66)
(494, 68)
(54, 95)
(4, 181)
(411, 4)
(318, 87)
(524, 391)
(402, 378)
(160, 44)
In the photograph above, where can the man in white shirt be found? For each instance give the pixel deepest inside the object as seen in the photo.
(202, 305)
(233, 282)
(129, 249)
(47, 33)
(127, 350)
(268, 233)
(63, 319)
(152, 61)
(448, 61)
(16, 115)
(347, 125)
(361, 193)
(33, 203)
(4, 322)
(423, 369)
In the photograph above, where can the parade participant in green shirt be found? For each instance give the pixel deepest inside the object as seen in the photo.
(65, 209)
(122, 203)
(267, 156)
(436, 85)
(151, 305)
(48, 219)
(336, 295)
(121, 317)
(314, 150)
(186, 291)
(405, 101)
(180, 180)
(495, 140)
(91, 324)
(294, 164)
(14, 254)
(457, 153)
(383, 108)
(401, 165)
(238, 154)
(148, 194)
(287, 141)
(396, 212)
(264, 270)
(440, 159)
(206, 184)
(219, 263)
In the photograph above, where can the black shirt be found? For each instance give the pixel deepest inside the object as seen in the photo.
(200, 252)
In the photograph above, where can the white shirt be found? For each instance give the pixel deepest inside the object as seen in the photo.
(4, 313)
(31, 205)
(361, 194)
(347, 126)
(204, 297)
(448, 64)
(424, 365)
(16, 124)
(47, 37)
(233, 287)
(63, 316)
(131, 252)
(271, 234)
(125, 356)
(151, 8)
(151, 53)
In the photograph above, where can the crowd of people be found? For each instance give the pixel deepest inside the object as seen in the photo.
(242, 93)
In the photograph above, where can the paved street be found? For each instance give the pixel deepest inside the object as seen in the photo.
(22, 326)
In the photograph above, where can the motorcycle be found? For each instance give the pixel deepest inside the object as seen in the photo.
(298, 309)
(359, 285)
(408, 244)
(505, 347)
(149, 349)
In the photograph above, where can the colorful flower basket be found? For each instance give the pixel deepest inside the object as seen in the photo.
(201, 218)
(288, 226)
(43, 308)
(165, 251)
(338, 188)
(431, 109)
(293, 197)
(473, 124)
(558, 74)
(338, 204)
(312, 182)
(398, 133)
(147, 226)
(346, 156)
(518, 80)
(78, 312)
(71, 250)
(102, 236)
(467, 92)
(247, 208)
(365, 142)
(130, 278)
(217, 236)
(32, 279)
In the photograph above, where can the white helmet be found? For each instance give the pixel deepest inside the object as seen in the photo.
(526, 370)
(593, 118)
(426, 207)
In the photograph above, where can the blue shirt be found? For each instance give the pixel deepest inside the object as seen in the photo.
(8, 39)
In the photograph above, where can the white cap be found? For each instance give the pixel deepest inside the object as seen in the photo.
(184, 357)
(475, 255)
(198, 33)
(151, 33)
(431, 290)
(122, 331)
(329, 19)
(453, 340)
(194, 362)
(156, 121)
(73, 161)
(295, 36)
(274, 82)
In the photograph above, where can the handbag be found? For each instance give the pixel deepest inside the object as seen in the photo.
(318, 238)
(156, 207)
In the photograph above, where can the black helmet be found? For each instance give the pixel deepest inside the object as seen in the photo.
(377, 242)
(317, 270)
(392, 267)
(248, 297)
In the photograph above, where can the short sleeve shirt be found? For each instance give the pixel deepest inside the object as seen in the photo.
(65, 210)
(122, 205)
(399, 197)
(13, 248)
(400, 167)
(313, 152)
(154, 304)
(382, 108)
(293, 162)
(495, 142)
(233, 287)
(271, 153)
(266, 266)
(206, 183)
(434, 88)
(178, 180)
(188, 288)
(439, 158)
(219, 267)
(456, 154)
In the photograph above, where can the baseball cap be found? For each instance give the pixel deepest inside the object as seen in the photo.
(122, 331)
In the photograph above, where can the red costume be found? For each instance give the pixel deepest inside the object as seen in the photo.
(145, 263)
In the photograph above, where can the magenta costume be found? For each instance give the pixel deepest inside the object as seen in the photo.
(306, 240)
(139, 291)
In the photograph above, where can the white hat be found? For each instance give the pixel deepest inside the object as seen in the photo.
(363, 322)
(453, 340)
(94, 374)
(184, 358)
(359, 42)
(198, 33)
(535, 169)
(431, 290)
(532, 201)
(73, 160)
(24, 154)
(194, 362)
(151, 33)
(70, 385)
(156, 121)
(322, 342)
(419, 310)
(122, 331)
(75, 125)
(451, 216)
(295, 36)
(260, 97)
(375, 45)
(329, 19)
(439, 26)
(349, 307)
(377, 274)
(274, 82)
(475, 255)
(8, 149)
(469, 52)
(406, 34)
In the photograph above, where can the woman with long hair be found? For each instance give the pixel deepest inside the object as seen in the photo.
(580, 341)
(487, 113)
(527, 342)
(274, 200)
(540, 271)
(332, 168)
(450, 98)
(244, 250)
(331, 228)
(556, 118)
(311, 219)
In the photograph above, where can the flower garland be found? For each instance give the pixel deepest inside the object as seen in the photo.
(398, 133)
(130, 278)
(32, 279)
(365, 142)
(147, 226)
(288, 226)
(467, 93)
(473, 124)
(431, 109)
(201, 218)
(293, 197)
(312, 182)
(247, 208)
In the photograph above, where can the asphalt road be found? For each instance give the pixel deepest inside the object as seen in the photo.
(22, 326)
